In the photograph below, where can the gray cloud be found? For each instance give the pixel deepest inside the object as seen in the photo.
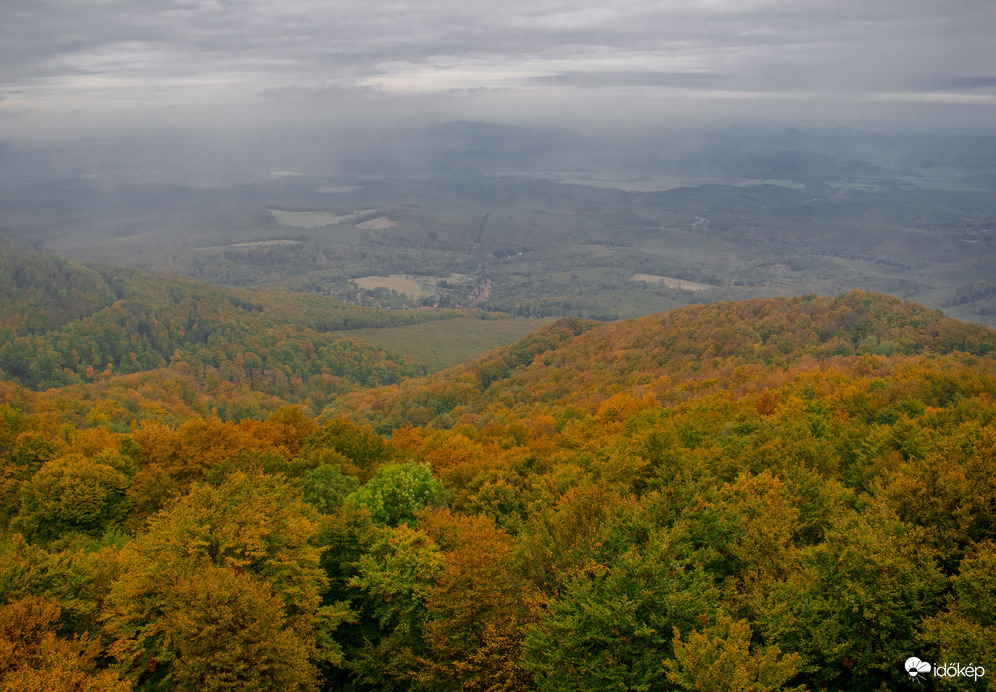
(963, 84)
(106, 55)
(623, 78)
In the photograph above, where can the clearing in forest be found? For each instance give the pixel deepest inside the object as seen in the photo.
(670, 282)
(313, 219)
(378, 224)
(395, 282)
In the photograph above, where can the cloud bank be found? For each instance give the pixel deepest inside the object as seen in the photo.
(261, 62)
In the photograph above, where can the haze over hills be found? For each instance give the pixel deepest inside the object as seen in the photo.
(507, 347)
(529, 220)
(800, 485)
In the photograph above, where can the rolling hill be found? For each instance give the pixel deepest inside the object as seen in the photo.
(789, 493)
(67, 324)
(578, 363)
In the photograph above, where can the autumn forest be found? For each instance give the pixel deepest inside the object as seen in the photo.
(206, 488)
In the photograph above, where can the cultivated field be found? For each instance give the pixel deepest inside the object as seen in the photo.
(313, 219)
(255, 244)
(395, 282)
(445, 343)
(670, 282)
(378, 224)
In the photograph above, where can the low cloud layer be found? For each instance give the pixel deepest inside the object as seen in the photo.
(130, 61)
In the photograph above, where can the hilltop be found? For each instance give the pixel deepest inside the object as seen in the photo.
(581, 364)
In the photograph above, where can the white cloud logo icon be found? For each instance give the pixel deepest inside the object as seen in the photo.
(916, 668)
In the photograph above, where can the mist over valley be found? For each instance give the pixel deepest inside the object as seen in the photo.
(547, 220)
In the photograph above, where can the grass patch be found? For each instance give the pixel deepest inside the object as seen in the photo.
(790, 184)
(671, 282)
(447, 343)
(313, 219)
(395, 282)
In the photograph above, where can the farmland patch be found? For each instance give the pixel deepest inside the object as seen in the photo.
(314, 219)
(408, 285)
(378, 224)
(255, 244)
(670, 282)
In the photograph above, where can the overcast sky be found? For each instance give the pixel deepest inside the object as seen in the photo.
(69, 65)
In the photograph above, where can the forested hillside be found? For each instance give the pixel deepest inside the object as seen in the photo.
(718, 346)
(760, 495)
(63, 323)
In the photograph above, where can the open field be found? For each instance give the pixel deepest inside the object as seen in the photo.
(378, 224)
(446, 343)
(313, 219)
(254, 244)
(680, 284)
(790, 184)
(394, 282)
(641, 184)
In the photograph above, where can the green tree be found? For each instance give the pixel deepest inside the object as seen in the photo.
(852, 606)
(326, 487)
(361, 446)
(393, 580)
(225, 570)
(965, 631)
(77, 581)
(611, 628)
(397, 491)
(72, 494)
